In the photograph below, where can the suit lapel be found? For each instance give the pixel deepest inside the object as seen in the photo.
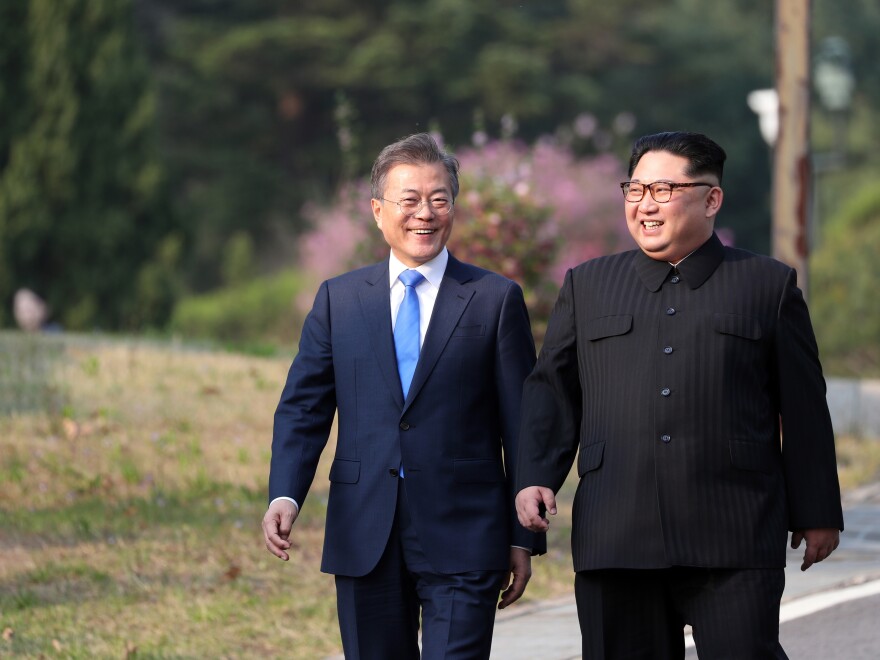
(452, 299)
(376, 306)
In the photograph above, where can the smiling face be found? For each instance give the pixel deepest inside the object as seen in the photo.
(671, 231)
(418, 238)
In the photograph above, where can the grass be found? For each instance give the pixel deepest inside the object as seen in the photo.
(858, 461)
(132, 485)
(130, 510)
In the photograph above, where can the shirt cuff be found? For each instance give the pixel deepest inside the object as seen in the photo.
(289, 499)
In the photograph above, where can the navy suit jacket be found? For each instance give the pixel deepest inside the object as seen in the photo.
(456, 432)
(670, 387)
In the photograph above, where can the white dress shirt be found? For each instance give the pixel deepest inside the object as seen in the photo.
(426, 290)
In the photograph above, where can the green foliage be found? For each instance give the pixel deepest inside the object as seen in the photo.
(80, 185)
(845, 272)
(124, 182)
(261, 310)
(238, 259)
(493, 222)
(305, 94)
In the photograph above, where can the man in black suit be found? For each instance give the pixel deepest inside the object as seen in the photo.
(685, 375)
(423, 357)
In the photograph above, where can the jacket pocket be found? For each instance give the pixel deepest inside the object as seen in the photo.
(755, 456)
(739, 326)
(477, 471)
(469, 331)
(590, 457)
(608, 326)
(345, 471)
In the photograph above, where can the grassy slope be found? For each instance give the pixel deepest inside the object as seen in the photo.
(130, 503)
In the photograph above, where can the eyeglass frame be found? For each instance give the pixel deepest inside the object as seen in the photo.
(650, 188)
(421, 205)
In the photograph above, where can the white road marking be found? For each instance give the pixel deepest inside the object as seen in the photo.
(807, 605)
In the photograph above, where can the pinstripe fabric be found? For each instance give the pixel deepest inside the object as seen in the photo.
(641, 613)
(672, 385)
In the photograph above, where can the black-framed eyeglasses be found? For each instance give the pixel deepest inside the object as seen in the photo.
(411, 205)
(661, 191)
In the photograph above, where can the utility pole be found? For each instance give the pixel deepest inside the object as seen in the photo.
(792, 177)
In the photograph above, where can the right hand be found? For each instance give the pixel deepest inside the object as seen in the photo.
(528, 503)
(276, 527)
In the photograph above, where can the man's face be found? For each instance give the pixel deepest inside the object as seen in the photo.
(671, 231)
(420, 237)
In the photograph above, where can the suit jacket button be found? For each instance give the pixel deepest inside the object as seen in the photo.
(404, 426)
(394, 471)
(666, 438)
(665, 391)
(670, 311)
(667, 350)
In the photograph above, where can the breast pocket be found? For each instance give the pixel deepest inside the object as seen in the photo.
(738, 326)
(469, 331)
(608, 326)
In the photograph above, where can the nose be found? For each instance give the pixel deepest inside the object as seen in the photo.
(647, 202)
(423, 209)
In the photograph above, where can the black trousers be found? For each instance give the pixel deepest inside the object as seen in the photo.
(628, 614)
(379, 612)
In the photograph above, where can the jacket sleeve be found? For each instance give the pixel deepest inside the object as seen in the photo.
(515, 357)
(552, 402)
(304, 415)
(808, 454)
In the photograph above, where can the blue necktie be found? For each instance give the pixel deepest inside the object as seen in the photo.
(406, 329)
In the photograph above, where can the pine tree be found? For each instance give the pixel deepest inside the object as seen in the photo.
(80, 185)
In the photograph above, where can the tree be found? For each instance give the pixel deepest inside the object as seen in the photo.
(81, 210)
(845, 272)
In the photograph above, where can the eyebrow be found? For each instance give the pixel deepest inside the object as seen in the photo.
(433, 192)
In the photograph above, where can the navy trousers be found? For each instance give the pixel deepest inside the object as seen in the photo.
(734, 613)
(379, 612)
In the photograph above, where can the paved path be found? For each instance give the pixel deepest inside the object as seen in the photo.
(549, 630)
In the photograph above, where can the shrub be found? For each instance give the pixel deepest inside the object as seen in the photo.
(262, 310)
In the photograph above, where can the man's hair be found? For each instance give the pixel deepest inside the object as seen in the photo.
(703, 155)
(417, 149)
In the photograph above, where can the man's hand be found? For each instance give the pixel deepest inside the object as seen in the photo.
(820, 544)
(528, 507)
(276, 527)
(521, 572)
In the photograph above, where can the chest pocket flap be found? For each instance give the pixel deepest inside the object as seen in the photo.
(609, 326)
(740, 326)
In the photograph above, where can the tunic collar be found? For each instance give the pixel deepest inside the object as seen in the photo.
(694, 270)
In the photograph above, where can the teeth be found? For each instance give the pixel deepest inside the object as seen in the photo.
(423, 231)
(651, 224)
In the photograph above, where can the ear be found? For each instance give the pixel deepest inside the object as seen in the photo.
(713, 201)
(376, 205)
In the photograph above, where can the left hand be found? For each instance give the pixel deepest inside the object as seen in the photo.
(820, 543)
(521, 572)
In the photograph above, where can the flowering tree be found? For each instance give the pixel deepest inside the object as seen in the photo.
(527, 212)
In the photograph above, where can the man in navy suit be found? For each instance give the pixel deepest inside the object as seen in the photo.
(423, 358)
(685, 377)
